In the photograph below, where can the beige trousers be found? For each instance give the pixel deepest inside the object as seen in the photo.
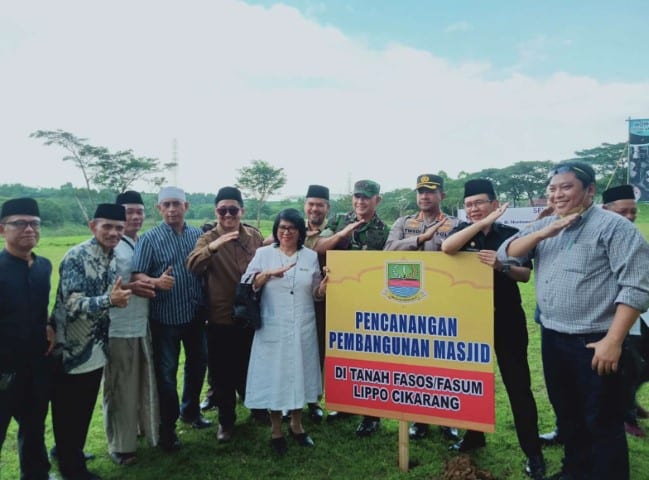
(130, 394)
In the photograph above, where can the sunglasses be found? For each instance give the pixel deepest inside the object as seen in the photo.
(232, 210)
(579, 173)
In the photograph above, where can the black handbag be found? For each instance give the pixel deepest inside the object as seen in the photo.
(246, 311)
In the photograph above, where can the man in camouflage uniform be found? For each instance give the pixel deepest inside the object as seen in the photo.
(424, 231)
(360, 229)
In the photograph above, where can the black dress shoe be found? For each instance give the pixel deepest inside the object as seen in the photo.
(198, 423)
(417, 431)
(535, 467)
(316, 414)
(551, 438)
(471, 441)
(561, 476)
(334, 415)
(170, 443)
(279, 445)
(450, 433)
(367, 427)
(208, 404)
(54, 455)
(303, 439)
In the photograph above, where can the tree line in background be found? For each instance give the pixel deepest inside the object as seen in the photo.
(106, 173)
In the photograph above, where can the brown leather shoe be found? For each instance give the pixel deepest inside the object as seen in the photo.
(224, 434)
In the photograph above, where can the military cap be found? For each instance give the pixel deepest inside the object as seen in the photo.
(368, 188)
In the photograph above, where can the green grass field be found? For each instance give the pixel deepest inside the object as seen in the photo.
(338, 454)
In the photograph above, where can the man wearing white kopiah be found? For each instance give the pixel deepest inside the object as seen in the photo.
(589, 295)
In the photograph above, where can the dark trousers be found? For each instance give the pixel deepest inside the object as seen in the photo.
(26, 400)
(73, 402)
(632, 374)
(589, 407)
(167, 340)
(229, 353)
(636, 370)
(510, 344)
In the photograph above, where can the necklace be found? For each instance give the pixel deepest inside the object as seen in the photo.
(286, 260)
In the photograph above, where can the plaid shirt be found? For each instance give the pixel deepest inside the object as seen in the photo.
(586, 270)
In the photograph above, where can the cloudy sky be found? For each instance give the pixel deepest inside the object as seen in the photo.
(331, 91)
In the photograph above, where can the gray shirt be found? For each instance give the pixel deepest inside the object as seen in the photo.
(586, 270)
(132, 321)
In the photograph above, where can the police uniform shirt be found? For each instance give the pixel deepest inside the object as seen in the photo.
(405, 230)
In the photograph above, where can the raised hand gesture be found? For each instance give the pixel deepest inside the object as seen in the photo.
(118, 295)
(165, 281)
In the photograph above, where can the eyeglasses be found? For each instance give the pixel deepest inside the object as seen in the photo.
(579, 173)
(287, 229)
(22, 224)
(476, 204)
(232, 210)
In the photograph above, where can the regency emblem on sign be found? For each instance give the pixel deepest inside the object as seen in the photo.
(404, 281)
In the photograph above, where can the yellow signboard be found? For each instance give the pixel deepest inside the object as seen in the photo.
(410, 336)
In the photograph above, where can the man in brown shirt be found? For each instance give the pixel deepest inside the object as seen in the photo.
(221, 256)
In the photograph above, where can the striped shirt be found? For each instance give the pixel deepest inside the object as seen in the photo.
(586, 270)
(161, 248)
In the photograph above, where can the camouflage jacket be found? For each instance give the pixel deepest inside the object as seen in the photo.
(370, 236)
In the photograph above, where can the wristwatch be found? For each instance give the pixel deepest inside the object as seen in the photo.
(506, 268)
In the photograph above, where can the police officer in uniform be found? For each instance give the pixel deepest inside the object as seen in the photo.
(360, 229)
(424, 231)
(428, 228)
